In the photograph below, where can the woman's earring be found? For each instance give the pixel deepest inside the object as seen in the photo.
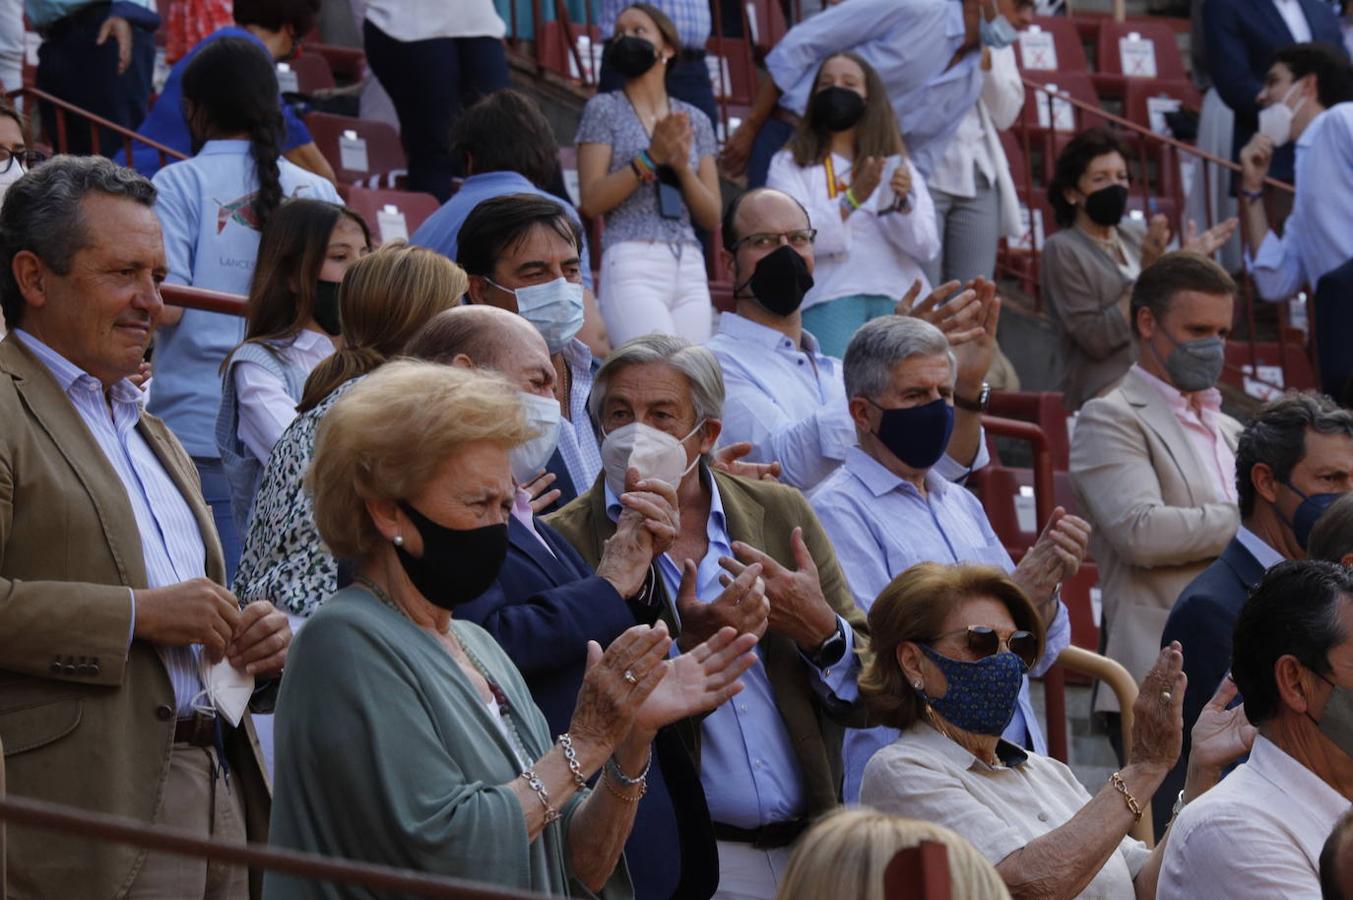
(918, 685)
(399, 540)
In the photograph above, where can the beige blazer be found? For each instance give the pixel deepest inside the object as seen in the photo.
(1158, 516)
(1084, 288)
(763, 515)
(87, 719)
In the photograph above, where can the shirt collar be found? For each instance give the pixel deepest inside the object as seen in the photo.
(1308, 135)
(68, 374)
(1208, 400)
(717, 525)
(224, 148)
(925, 736)
(307, 340)
(742, 328)
(503, 178)
(1301, 784)
(880, 480)
(1259, 548)
(578, 355)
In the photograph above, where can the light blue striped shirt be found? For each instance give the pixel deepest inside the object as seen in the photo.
(691, 18)
(577, 438)
(881, 526)
(748, 766)
(170, 540)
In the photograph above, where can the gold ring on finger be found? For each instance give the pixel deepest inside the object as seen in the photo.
(630, 677)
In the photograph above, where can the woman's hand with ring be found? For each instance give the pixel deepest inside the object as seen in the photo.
(616, 684)
(1158, 732)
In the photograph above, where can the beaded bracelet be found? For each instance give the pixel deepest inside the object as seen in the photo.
(644, 167)
(1252, 195)
(534, 783)
(1133, 807)
(571, 756)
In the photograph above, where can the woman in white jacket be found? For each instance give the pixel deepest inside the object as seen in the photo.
(875, 222)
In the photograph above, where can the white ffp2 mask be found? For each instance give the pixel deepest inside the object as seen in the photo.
(656, 454)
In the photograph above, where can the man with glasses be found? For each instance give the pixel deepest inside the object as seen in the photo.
(886, 508)
(785, 397)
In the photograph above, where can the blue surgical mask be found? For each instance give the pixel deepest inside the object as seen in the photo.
(997, 33)
(1312, 507)
(555, 308)
(981, 696)
(917, 435)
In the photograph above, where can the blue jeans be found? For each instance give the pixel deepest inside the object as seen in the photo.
(770, 140)
(216, 491)
(430, 82)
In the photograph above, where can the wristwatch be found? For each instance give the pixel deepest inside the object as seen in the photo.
(830, 651)
(980, 404)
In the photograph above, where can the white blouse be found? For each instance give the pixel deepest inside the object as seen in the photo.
(265, 408)
(869, 252)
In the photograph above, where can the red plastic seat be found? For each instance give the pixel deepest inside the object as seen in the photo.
(1066, 54)
(740, 67)
(555, 50)
(1044, 409)
(311, 71)
(1169, 62)
(362, 152)
(1290, 357)
(391, 215)
(766, 19)
(1077, 86)
(346, 63)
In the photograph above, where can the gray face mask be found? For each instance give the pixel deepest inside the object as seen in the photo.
(1336, 720)
(1195, 365)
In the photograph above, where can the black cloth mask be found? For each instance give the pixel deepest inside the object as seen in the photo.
(1107, 205)
(630, 56)
(917, 435)
(780, 281)
(457, 564)
(836, 108)
(326, 307)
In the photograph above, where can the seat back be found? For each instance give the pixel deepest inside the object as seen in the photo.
(306, 74)
(361, 151)
(391, 215)
(1140, 48)
(1051, 44)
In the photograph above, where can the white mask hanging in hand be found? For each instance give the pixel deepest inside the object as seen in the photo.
(227, 689)
(1275, 120)
(543, 415)
(656, 454)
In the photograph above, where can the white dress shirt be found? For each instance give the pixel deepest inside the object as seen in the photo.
(422, 20)
(872, 251)
(1291, 12)
(265, 407)
(1318, 235)
(1257, 834)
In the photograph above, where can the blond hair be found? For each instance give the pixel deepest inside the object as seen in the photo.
(386, 297)
(846, 853)
(388, 436)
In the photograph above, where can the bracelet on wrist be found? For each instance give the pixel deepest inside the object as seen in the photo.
(625, 798)
(624, 779)
(1133, 806)
(850, 198)
(534, 783)
(1252, 195)
(571, 757)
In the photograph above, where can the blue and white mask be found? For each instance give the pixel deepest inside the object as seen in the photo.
(981, 695)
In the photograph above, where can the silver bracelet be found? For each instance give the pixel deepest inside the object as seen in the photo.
(534, 783)
(625, 779)
(571, 756)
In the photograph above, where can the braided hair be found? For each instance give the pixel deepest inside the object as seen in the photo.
(230, 88)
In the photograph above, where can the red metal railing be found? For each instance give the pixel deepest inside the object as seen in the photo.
(197, 298)
(61, 140)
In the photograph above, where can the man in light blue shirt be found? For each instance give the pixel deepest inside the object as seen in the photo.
(784, 397)
(923, 50)
(886, 509)
(1314, 83)
(749, 554)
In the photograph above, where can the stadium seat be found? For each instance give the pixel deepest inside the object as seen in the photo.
(767, 21)
(362, 152)
(1153, 54)
(310, 72)
(391, 215)
(1051, 44)
(348, 64)
(556, 52)
(1288, 361)
(1044, 409)
(739, 66)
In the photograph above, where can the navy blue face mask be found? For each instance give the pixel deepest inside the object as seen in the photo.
(917, 435)
(982, 695)
(1312, 507)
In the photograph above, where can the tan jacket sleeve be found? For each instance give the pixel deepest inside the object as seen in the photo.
(1089, 309)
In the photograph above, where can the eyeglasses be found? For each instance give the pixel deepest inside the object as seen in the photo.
(27, 159)
(764, 240)
(984, 642)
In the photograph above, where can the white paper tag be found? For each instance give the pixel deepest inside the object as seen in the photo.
(1156, 108)
(1097, 606)
(1037, 50)
(1031, 237)
(590, 54)
(751, 20)
(229, 690)
(1055, 112)
(1267, 386)
(571, 184)
(31, 42)
(352, 152)
(391, 224)
(718, 69)
(287, 82)
(1026, 509)
(1138, 56)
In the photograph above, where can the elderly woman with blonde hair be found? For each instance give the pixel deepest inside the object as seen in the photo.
(950, 648)
(405, 736)
(847, 853)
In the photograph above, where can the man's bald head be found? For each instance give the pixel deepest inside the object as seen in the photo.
(487, 337)
(750, 209)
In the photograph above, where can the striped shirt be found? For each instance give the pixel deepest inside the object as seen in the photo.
(691, 18)
(170, 540)
(577, 440)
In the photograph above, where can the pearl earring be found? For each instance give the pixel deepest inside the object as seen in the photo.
(399, 540)
(918, 685)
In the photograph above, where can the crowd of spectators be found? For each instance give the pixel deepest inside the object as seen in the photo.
(459, 556)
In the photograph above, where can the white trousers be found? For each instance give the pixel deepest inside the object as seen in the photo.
(645, 287)
(746, 873)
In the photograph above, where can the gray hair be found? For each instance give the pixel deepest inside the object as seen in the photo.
(42, 214)
(884, 342)
(699, 366)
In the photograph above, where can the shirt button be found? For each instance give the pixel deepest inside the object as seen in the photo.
(1042, 817)
(742, 707)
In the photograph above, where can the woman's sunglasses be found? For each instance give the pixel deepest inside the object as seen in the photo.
(984, 642)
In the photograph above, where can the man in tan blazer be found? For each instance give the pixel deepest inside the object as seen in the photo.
(111, 605)
(749, 554)
(1153, 461)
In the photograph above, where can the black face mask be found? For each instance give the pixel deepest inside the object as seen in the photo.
(631, 56)
(780, 281)
(457, 564)
(917, 435)
(1107, 205)
(326, 307)
(836, 108)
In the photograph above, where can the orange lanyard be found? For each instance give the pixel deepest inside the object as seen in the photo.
(834, 185)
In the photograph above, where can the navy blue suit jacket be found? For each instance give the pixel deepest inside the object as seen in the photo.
(1203, 620)
(1242, 36)
(1334, 325)
(543, 610)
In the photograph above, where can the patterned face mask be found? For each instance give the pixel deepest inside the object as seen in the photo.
(982, 695)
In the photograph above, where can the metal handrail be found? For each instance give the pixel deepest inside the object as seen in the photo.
(96, 122)
(199, 298)
(102, 826)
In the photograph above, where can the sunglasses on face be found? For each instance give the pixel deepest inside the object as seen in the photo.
(983, 642)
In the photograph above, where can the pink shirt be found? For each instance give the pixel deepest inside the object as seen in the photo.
(521, 511)
(1200, 414)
